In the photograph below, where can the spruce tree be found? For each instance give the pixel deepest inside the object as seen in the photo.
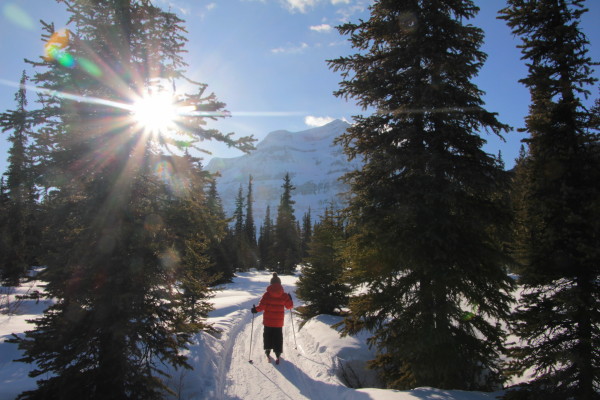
(4, 243)
(112, 267)
(426, 215)
(20, 192)
(265, 241)
(558, 318)
(286, 250)
(238, 233)
(192, 229)
(249, 227)
(306, 233)
(322, 285)
(251, 253)
(220, 253)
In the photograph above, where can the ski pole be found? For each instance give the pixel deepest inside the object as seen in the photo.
(251, 332)
(292, 317)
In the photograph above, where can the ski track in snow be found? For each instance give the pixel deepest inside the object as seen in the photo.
(305, 372)
(298, 376)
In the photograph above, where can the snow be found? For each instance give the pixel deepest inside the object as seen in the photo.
(314, 162)
(311, 366)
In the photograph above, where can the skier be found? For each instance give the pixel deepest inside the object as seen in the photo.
(273, 303)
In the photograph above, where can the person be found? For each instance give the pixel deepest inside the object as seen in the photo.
(273, 303)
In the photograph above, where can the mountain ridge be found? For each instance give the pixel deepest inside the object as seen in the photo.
(313, 161)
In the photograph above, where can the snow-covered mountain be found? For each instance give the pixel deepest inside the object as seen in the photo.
(314, 163)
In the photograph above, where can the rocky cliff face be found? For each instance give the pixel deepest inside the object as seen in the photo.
(314, 163)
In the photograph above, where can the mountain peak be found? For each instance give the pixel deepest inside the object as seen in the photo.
(313, 161)
(320, 133)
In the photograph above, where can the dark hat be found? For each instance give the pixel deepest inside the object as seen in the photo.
(275, 279)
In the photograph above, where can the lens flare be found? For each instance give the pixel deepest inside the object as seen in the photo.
(56, 50)
(56, 44)
(469, 315)
(89, 67)
(18, 16)
(166, 173)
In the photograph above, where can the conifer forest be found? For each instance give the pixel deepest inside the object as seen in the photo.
(462, 273)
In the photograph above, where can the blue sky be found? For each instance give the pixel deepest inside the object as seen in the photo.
(266, 60)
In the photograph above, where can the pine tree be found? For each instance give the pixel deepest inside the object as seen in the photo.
(426, 217)
(265, 242)
(20, 193)
(237, 233)
(193, 228)
(286, 251)
(4, 243)
(249, 227)
(322, 285)
(251, 254)
(222, 266)
(306, 233)
(558, 318)
(111, 266)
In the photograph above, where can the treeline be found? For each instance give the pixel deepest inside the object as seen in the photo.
(132, 233)
(281, 244)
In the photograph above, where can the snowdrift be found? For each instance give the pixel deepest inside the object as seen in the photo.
(317, 362)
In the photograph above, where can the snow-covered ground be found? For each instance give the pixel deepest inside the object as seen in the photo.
(316, 361)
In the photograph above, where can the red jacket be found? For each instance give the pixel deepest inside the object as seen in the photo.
(273, 303)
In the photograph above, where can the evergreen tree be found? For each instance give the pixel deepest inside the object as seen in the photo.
(321, 284)
(249, 227)
(238, 234)
(558, 319)
(286, 253)
(4, 243)
(306, 233)
(426, 217)
(222, 266)
(265, 241)
(21, 196)
(112, 267)
(251, 254)
(193, 227)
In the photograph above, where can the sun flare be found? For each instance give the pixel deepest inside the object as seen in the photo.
(156, 113)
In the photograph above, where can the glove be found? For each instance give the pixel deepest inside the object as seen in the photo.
(253, 310)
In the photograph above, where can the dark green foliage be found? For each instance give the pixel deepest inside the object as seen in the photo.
(265, 241)
(19, 209)
(321, 284)
(558, 319)
(249, 227)
(286, 252)
(126, 223)
(243, 235)
(306, 233)
(194, 230)
(222, 264)
(427, 218)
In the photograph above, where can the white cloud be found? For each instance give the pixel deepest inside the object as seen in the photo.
(311, 120)
(321, 28)
(290, 49)
(300, 5)
(334, 2)
(211, 6)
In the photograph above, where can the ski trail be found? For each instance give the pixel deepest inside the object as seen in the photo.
(302, 374)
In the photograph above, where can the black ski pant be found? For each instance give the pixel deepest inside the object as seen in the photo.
(273, 339)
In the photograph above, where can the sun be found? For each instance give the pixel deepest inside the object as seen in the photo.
(156, 113)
